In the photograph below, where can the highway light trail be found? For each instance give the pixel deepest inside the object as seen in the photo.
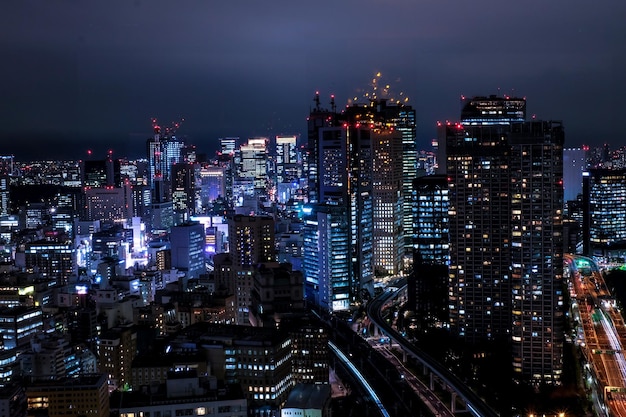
(360, 377)
(609, 329)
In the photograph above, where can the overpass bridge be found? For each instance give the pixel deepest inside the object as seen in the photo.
(473, 403)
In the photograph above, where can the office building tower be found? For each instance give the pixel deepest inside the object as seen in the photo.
(101, 173)
(287, 168)
(185, 190)
(18, 325)
(109, 204)
(52, 260)
(187, 245)
(163, 150)
(251, 241)
(384, 114)
(318, 118)
(506, 234)
(228, 145)
(310, 352)
(388, 212)
(251, 162)
(345, 193)
(212, 184)
(345, 172)
(428, 285)
(142, 201)
(5, 196)
(7, 172)
(604, 211)
(325, 261)
(574, 165)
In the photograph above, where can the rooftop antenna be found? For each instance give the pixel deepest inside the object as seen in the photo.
(316, 99)
(333, 106)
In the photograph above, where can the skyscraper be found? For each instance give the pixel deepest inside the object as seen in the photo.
(7, 170)
(287, 167)
(327, 267)
(506, 201)
(101, 173)
(185, 190)
(399, 117)
(387, 192)
(345, 180)
(478, 166)
(604, 212)
(251, 241)
(537, 250)
(187, 243)
(428, 287)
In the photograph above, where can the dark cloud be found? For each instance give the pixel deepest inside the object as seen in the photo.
(92, 73)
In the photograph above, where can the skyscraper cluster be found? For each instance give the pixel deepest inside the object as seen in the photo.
(144, 276)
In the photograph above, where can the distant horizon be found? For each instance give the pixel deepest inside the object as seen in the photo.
(67, 147)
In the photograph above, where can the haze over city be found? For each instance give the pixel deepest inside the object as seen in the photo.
(78, 76)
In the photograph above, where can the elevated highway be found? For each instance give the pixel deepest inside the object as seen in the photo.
(474, 404)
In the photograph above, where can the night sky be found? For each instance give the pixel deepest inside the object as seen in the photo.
(79, 75)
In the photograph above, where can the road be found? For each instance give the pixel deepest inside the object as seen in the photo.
(603, 333)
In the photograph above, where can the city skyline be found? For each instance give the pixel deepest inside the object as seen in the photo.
(91, 76)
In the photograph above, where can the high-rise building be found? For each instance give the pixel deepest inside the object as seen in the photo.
(251, 160)
(604, 211)
(383, 114)
(163, 150)
(346, 180)
(537, 251)
(318, 118)
(478, 165)
(228, 145)
(18, 325)
(101, 173)
(287, 168)
(7, 170)
(251, 241)
(187, 244)
(212, 184)
(506, 202)
(341, 157)
(326, 262)
(286, 158)
(428, 285)
(388, 207)
(53, 260)
(109, 204)
(185, 190)
(117, 349)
